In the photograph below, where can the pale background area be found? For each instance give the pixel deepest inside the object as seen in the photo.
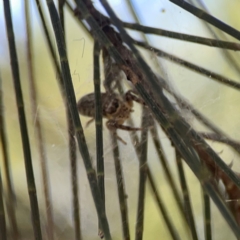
(219, 103)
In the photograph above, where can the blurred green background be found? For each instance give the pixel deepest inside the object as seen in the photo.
(218, 102)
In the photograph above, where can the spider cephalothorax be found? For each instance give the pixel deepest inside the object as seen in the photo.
(115, 108)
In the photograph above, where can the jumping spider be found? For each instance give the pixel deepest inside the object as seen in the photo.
(115, 108)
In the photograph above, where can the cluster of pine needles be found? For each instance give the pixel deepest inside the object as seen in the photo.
(121, 57)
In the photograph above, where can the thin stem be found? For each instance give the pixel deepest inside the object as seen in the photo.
(74, 178)
(74, 175)
(98, 124)
(208, 18)
(173, 231)
(207, 216)
(72, 148)
(211, 75)
(183, 37)
(143, 169)
(157, 63)
(77, 123)
(218, 134)
(37, 121)
(166, 170)
(186, 196)
(49, 43)
(154, 188)
(23, 125)
(61, 4)
(233, 63)
(122, 196)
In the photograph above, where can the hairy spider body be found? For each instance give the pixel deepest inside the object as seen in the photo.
(115, 108)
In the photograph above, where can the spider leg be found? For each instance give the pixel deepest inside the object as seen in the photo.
(113, 125)
(120, 139)
(89, 122)
(130, 96)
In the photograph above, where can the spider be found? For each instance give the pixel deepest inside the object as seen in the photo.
(115, 108)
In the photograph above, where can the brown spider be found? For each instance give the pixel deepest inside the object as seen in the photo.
(114, 107)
